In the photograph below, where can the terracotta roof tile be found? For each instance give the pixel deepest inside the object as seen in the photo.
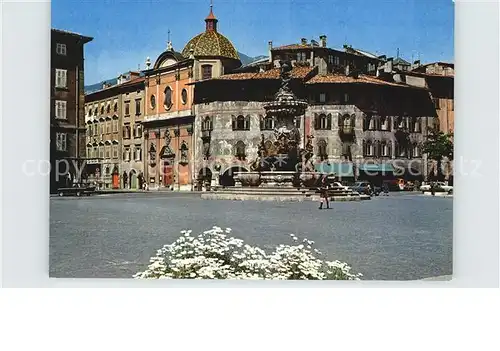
(237, 76)
(292, 47)
(297, 73)
(342, 79)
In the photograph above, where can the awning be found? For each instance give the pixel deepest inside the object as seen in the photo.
(339, 169)
(372, 167)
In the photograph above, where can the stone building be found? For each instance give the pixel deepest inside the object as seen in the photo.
(363, 126)
(169, 114)
(67, 124)
(439, 79)
(115, 140)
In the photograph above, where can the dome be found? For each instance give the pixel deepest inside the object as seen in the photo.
(211, 43)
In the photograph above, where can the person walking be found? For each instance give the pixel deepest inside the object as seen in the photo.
(323, 193)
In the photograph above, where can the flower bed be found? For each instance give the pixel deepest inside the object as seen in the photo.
(214, 254)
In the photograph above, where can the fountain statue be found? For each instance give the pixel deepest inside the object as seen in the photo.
(282, 159)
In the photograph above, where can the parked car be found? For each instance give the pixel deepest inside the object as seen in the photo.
(442, 185)
(365, 188)
(339, 185)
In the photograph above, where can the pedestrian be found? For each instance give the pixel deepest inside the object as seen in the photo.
(323, 193)
(386, 189)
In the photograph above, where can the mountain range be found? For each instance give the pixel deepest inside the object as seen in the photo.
(245, 60)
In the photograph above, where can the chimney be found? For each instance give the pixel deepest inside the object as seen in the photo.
(303, 41)
(322, 40)
(270, 49)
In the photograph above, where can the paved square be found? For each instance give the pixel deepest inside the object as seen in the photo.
(400, 237)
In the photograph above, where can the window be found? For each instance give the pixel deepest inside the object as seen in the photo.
(108, 127)
(385, 123)
(108, 108)
(115, 126)
(323, 122)
(138, 153)
(101, 151)
(322, 97)
(346, 151)
(61, 78)
(416, 150)
(367, 148)
(115, 107)
(126, 132)
(127, 109)
(60, 109)
(101, 128)
(301, 56)
(240, 150)
(152, 101)
(137, 131)
(241, 123)
(102, 110)
(61, 49)
(267, 123)
(346, 98)
(108, 152)
(206, 72)
(330, 59)
(184, 96)
(61, 144)
(115, 151)
(126, 155)
(137, 107)
(167, 102)
(322, 150)
(206, 125)
(385, 149)
(336, 61)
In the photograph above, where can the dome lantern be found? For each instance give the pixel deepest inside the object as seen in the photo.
(211, 20)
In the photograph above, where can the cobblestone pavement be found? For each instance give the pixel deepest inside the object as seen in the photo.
(400, 237)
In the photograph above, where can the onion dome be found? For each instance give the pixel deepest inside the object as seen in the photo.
(210, 43)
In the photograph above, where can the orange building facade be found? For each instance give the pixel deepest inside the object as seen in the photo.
(169, 143)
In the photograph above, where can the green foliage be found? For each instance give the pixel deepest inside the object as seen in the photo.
(439, 145)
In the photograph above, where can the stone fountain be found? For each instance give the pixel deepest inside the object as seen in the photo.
(282, 163)
(283, 169)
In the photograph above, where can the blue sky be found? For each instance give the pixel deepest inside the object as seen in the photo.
(126, 32)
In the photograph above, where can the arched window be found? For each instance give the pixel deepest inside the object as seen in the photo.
(206, 125)
(240, 150)
(241, 123)
(367, 121)
(385, 149)
(167, 102)
(384, 123)
(367, 148)
(416, 126)
(108, 108)
(102, 110)
(115, 107)
(322, 150)
(323, 122)
(267, 123)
